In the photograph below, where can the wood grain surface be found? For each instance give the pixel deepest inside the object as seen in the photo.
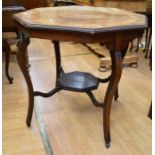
(80, 17)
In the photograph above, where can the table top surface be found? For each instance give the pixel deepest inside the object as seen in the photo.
(80, 18)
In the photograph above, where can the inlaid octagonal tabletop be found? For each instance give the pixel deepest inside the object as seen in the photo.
(80, 18)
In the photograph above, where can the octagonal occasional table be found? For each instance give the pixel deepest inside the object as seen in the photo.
(84, 24)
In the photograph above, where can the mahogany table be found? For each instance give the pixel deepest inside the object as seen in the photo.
(113, 27)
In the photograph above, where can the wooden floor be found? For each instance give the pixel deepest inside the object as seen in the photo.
(73, 124)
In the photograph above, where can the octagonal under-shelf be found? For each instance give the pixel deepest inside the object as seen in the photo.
(78, 81)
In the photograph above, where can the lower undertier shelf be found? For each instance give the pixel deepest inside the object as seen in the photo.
(78, 81)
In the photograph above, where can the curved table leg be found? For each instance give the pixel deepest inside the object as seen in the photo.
(131, 46)
(148, 44)
(146, 39)
(111, 90)
(116, 94)
(22, 58)
(137, 48)
(7, 60)
(59, 69)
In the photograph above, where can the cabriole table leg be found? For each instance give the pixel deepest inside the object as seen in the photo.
(22, 58)
(116, 94)
(7, 60)
(111, 90)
